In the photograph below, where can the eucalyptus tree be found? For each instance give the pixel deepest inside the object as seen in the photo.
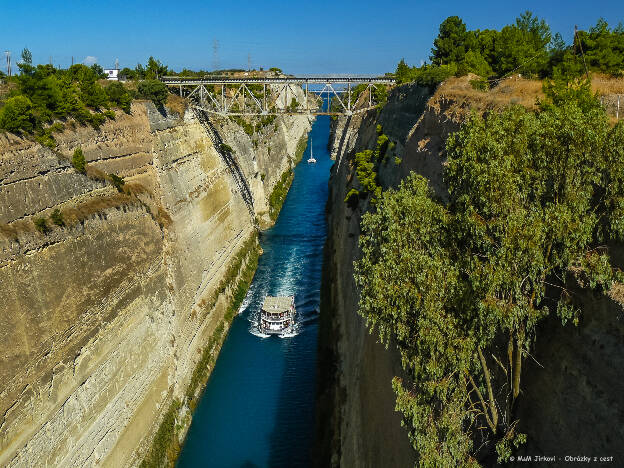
(460, 285)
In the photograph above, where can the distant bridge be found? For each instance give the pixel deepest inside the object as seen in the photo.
(270, 96)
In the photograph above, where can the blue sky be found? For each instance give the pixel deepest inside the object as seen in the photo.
(299, 37)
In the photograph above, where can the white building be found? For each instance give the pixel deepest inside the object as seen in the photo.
(112, 73)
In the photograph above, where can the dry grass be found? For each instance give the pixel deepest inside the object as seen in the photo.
(606, 85)
(71, 215)
(10, 231)
(457, 98)
(96, 174)
(177, 104)
(95, 206)
(617, 292)
(136, 188)
(163, 218)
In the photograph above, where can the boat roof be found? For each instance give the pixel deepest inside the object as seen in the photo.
(277, 303)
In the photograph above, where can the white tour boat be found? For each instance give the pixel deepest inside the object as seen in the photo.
(277, 315)
(311, 159)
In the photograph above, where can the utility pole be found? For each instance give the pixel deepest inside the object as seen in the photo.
(72, 60)
(581, 49)
(248, 62)
(8, 61)
(215, 55)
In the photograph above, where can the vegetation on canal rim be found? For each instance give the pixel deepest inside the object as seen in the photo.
(461, 285)
(165, 447)
(278, 195)
(302, 144)
(367, 164)
(528, 47)
(41, 97)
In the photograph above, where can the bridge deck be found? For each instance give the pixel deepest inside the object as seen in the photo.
(176, 80)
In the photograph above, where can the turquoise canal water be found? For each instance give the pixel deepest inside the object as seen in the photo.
(258, 406)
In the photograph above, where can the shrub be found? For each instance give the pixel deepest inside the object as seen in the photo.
(480, 85)
(119, 95)
(278, 195)
(57, 217)
(117, 181)
(352, 198)
(16, 115)
(96, 120)
(78, 161)
(226, 148)
(40, 224)
(154, 90)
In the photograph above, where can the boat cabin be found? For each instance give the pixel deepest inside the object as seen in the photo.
(277, 315)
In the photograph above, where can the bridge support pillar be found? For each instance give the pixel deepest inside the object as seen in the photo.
(349, 103)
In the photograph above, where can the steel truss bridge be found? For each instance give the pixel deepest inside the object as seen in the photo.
(270, 96)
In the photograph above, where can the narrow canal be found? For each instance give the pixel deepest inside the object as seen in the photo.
(258, 406)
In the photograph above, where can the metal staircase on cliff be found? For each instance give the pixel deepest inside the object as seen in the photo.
(230, 161)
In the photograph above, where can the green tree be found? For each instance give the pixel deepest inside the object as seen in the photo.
(486, 41)
(604, 47)
(154, 90)
(119, 95)
(139, 72)
(78, 161)
(98, 71)
(452, 42)
(16, 115)
(461, 285)
(155, 69)
(26, 56)
(93, 95)
(128, 73)
(474, 62)
(403, 72)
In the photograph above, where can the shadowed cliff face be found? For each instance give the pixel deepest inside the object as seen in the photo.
(570, 405)
(103, 320)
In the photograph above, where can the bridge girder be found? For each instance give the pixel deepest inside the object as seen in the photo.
(236, 93)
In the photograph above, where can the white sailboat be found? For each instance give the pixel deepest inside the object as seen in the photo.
(311, 159)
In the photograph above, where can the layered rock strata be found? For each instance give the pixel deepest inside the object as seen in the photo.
(103, 319)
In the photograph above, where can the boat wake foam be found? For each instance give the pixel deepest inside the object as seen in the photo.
(254, 331)
(288, 335)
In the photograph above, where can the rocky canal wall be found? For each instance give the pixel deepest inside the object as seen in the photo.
(570, 393)
(103, 320)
